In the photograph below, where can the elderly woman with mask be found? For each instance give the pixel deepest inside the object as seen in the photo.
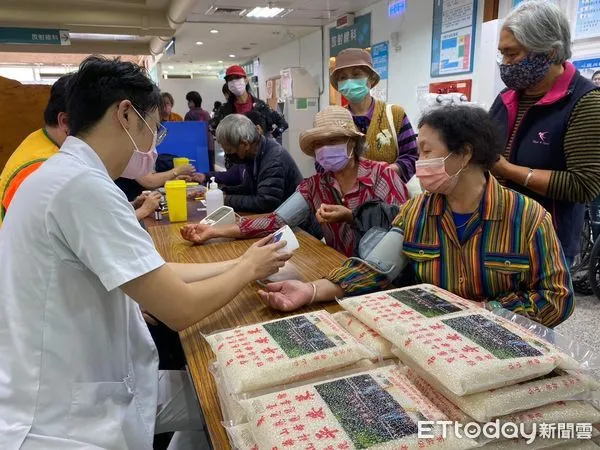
(468, 234)
(549, 117)
(389, 135)
(348, 181)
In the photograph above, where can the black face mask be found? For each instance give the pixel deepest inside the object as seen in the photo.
(235, 159)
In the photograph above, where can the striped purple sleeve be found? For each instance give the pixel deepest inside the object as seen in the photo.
(407, 150)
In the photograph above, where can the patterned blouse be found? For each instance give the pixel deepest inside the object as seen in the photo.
(375, 182)
(509, 253)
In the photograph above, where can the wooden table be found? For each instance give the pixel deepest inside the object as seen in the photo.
(312, 260)
(194, 215)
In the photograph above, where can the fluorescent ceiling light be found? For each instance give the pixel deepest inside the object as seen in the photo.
(220, 62)
(232, 56)
(199, 43)
(265, 12)
(103, 37)
(171, 67)
(213, 31)
(208, 67)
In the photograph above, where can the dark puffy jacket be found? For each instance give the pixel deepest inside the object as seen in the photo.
(268, 181)
(276, 123)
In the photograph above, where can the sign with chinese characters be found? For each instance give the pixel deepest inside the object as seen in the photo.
(453, 42)
(34, 36)
(396, 8)
(588, 19)
(357, 35)
(588, 66)
(380, 55)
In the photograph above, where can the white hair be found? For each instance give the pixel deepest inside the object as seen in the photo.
(236, 128)
(541, 27)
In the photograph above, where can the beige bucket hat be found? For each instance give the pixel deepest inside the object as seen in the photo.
(353, 57)
(331, 123)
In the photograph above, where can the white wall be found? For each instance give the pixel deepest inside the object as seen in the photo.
(408, 68)
(208, 87)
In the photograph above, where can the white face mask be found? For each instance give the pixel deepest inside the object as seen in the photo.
(141, 163)
(237, 87)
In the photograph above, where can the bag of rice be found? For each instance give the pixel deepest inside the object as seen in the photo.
(556, 444)
(472, 352)
(557, 386)
(233, 413)
(283, 351)
(572, 412)
(375, 409)
(240, 437)
(365, 335)
(402, 307)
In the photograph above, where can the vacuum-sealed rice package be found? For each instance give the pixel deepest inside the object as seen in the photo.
(365, 335)
(283, 351)
(375, 409)
(240, 437)
(571, 412)
(485, 406)
(473, 352)
(403, 307)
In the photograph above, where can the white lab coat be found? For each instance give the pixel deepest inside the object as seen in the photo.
(78, 367)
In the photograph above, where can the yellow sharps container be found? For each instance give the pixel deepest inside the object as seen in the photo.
(176, 200)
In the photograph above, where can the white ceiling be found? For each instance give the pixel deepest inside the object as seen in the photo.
(242, 40)
(244, 37)
(305, 12)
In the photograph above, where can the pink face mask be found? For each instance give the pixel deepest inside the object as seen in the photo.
(141, 163)
(433, 176)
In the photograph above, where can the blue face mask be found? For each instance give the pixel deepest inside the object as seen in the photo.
(354, 89)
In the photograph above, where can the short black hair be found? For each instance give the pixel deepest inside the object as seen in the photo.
(168, 96)
(58, 100)
(597, 72)
(102, 82)
(195, 98)
(257, 119)
(217, 105)
(461, 126)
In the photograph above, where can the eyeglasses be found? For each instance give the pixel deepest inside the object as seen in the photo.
(161, 130)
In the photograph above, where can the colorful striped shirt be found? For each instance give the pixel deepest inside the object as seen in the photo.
(375, 181)
(509, 253)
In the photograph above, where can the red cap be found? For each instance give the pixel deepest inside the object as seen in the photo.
(235, 70)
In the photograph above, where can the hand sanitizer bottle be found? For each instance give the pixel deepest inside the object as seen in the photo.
(214, 197)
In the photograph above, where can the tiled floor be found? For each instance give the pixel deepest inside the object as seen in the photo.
(584, 326)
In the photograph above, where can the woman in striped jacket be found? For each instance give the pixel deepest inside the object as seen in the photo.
(467, 234)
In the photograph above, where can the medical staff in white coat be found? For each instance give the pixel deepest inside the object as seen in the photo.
(78, 368)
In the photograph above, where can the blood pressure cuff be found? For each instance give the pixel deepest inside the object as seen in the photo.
(295, 212)
(381, 251)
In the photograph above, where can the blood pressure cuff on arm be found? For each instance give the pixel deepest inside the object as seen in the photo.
(381, 251)
(294, 211)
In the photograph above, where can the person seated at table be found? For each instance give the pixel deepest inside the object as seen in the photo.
(78, 368)
(234, 176)
(348, 182)
(268, 173)
(468, 234)
(44, 143)
(166, 111)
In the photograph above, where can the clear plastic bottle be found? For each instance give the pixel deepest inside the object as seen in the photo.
(214, 197)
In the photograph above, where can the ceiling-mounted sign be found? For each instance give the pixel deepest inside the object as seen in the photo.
(357, 35)
(248, 68)
(453, 41)
(396, 8)
(34, 36)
